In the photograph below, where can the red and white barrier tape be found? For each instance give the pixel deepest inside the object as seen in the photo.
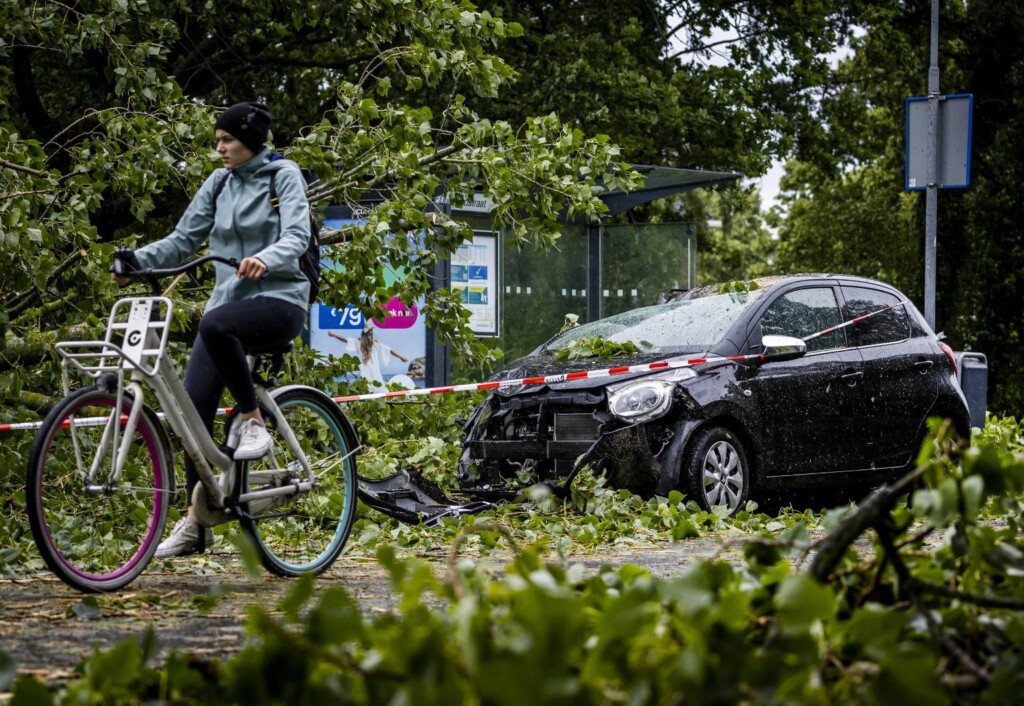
(546, 379)
(499, 384)
(87, 421)
(851, 322)
(468, 387)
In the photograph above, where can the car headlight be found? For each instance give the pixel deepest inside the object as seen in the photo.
(642, 400)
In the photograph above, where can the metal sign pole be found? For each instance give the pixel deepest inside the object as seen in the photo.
(932, 194)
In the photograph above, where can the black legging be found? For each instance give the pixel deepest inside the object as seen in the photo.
(218, 356)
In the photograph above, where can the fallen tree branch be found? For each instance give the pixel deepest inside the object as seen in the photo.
(913, 588)
(26, 170)
(871, 513)
(35, 346)
(37, 402)
(977, 599)
(331, 187)
(20, 302)
(461, 538)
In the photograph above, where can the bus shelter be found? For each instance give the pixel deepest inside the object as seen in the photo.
(520, 297)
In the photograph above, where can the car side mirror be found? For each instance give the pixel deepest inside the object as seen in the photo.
(778, 348)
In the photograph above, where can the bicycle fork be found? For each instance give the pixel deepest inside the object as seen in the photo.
(119, 449)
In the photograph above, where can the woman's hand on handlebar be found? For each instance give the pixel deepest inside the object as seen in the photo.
(251, 268)
(125, 263)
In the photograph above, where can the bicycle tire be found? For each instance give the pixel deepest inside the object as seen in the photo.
(96, 542)
(314, 532)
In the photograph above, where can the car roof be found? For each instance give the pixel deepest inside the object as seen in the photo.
(771, 282)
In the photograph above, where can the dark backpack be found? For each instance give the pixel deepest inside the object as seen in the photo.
(309, 260)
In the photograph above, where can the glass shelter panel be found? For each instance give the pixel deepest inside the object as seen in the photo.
(538, 289)
(639, 262)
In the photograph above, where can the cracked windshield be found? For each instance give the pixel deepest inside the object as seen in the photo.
(693, 323)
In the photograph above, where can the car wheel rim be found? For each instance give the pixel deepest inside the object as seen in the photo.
(723, 476)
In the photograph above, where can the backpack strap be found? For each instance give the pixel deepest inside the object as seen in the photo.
(275, 203)
(218, 189)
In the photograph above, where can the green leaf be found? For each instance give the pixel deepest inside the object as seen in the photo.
(297, 597)
(249, 554)
(30, 692)
(335, 620)
(874, 631)
(800, 601)
(908, 677)
(685, 529)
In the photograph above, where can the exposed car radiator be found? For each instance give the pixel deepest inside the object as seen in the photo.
(573, 426)
(576, 426)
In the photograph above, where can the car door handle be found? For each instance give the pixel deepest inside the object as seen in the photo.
(852, 378)
(923, 366)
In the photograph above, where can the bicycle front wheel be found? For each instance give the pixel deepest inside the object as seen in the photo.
(96, 536)
(303, 533)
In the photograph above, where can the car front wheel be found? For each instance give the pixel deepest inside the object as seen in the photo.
(717, 472)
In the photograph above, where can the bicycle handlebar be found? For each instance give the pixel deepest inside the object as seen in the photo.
(230, 261)
(121, 270)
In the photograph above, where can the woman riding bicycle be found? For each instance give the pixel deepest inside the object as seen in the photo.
(261, 303)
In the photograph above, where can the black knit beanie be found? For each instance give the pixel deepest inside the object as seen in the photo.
(248, 123)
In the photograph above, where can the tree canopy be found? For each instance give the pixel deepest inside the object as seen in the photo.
(107, 127)
(845, 208)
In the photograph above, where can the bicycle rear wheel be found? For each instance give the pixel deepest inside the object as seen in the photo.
(96, 540)
(304, 533)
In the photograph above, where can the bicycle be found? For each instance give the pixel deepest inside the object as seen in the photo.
(100, 476)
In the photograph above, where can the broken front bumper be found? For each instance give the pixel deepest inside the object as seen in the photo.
(624, 454)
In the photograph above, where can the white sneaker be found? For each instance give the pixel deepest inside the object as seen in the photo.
(253, 441)
(184, 540)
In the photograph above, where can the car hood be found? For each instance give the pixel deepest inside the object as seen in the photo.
(543, 364)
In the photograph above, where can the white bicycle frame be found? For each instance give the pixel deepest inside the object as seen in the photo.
(136, 340)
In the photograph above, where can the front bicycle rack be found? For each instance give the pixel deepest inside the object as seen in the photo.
(134, 326)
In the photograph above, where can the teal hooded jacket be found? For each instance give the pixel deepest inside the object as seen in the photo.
(244, 224)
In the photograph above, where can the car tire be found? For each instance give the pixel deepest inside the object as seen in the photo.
(716, 471)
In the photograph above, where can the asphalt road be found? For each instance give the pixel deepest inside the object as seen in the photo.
(198, 603)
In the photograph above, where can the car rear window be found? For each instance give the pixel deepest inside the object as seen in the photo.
(885, 327)
(691, 323)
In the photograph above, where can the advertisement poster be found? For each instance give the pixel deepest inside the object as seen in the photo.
(475, 275)
(390, 350)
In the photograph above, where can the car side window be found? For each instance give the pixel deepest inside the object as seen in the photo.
(885, 327)
(805, 311)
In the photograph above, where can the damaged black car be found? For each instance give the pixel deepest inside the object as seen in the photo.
(778, 382)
